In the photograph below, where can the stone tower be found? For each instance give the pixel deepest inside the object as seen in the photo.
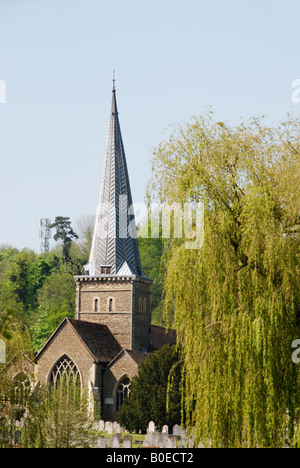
(113, 289)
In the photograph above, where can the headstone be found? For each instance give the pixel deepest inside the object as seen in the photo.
(156, 439)
(165, 430)
(183, 443)
(176, 430)
(106, 442)
(101, 426)
(127, 443)
(149, 438)
(151, 427)
(116, 428)
(171, 442)
(183, 433)
(108, 428)
(99, 444)
(115, 441)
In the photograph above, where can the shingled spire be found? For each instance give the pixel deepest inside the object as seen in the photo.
(115, 248)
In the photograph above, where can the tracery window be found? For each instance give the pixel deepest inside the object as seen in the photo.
(21, 390)
(65, 372)
(123, 392)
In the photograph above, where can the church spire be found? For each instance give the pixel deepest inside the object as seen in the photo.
(115, 248)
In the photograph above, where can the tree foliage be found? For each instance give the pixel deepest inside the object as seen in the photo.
(66, 234)
(237, 299)
(150, 399)
(58, 418)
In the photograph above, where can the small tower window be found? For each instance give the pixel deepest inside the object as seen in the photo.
(105, 270)
(96, 305)
(111, 303)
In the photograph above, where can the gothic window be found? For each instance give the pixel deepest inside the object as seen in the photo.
(123, 392)
(21, 390)
(66, 372)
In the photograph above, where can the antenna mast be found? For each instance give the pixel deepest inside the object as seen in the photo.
(45, 235)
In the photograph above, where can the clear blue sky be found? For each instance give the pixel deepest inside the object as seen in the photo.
(172, 59)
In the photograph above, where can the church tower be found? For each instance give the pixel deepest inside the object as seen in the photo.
(113, 289)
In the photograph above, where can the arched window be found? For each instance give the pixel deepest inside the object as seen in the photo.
(110, 305)
(96, 305)
(123, 391)
(65, 372)
(21, 390)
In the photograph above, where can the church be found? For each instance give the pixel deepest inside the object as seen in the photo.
(111, 334)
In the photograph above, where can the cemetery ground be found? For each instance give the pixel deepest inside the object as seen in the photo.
(112, 435)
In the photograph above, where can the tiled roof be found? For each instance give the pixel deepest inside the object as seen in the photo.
(161, 337)
(137, 356)
(98, 339)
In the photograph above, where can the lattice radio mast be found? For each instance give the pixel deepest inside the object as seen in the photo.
(45, 235)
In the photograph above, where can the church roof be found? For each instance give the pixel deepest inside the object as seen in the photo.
(115, 242)
(97, 338)
(137, 356)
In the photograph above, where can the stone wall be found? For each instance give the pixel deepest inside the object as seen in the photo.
(128, 316)
(115, 373)
(67, 343)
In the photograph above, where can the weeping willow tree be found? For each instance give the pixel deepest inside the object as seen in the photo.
(237, 299)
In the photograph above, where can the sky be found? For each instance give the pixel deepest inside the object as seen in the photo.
(173, 59)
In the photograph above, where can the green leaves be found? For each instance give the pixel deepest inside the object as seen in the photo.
(155, 392)
(65, 233)
(237, 299)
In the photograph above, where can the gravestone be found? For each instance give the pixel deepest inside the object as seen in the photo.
(108, 428)
(116, 441)
(177, 430)
(156, 439)
(106, 442)
(151, 427)
(127, 443)
(183, 443)
(99, 444)
(165, 429)
(101, 426)
(171, 442)
(116, 428)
